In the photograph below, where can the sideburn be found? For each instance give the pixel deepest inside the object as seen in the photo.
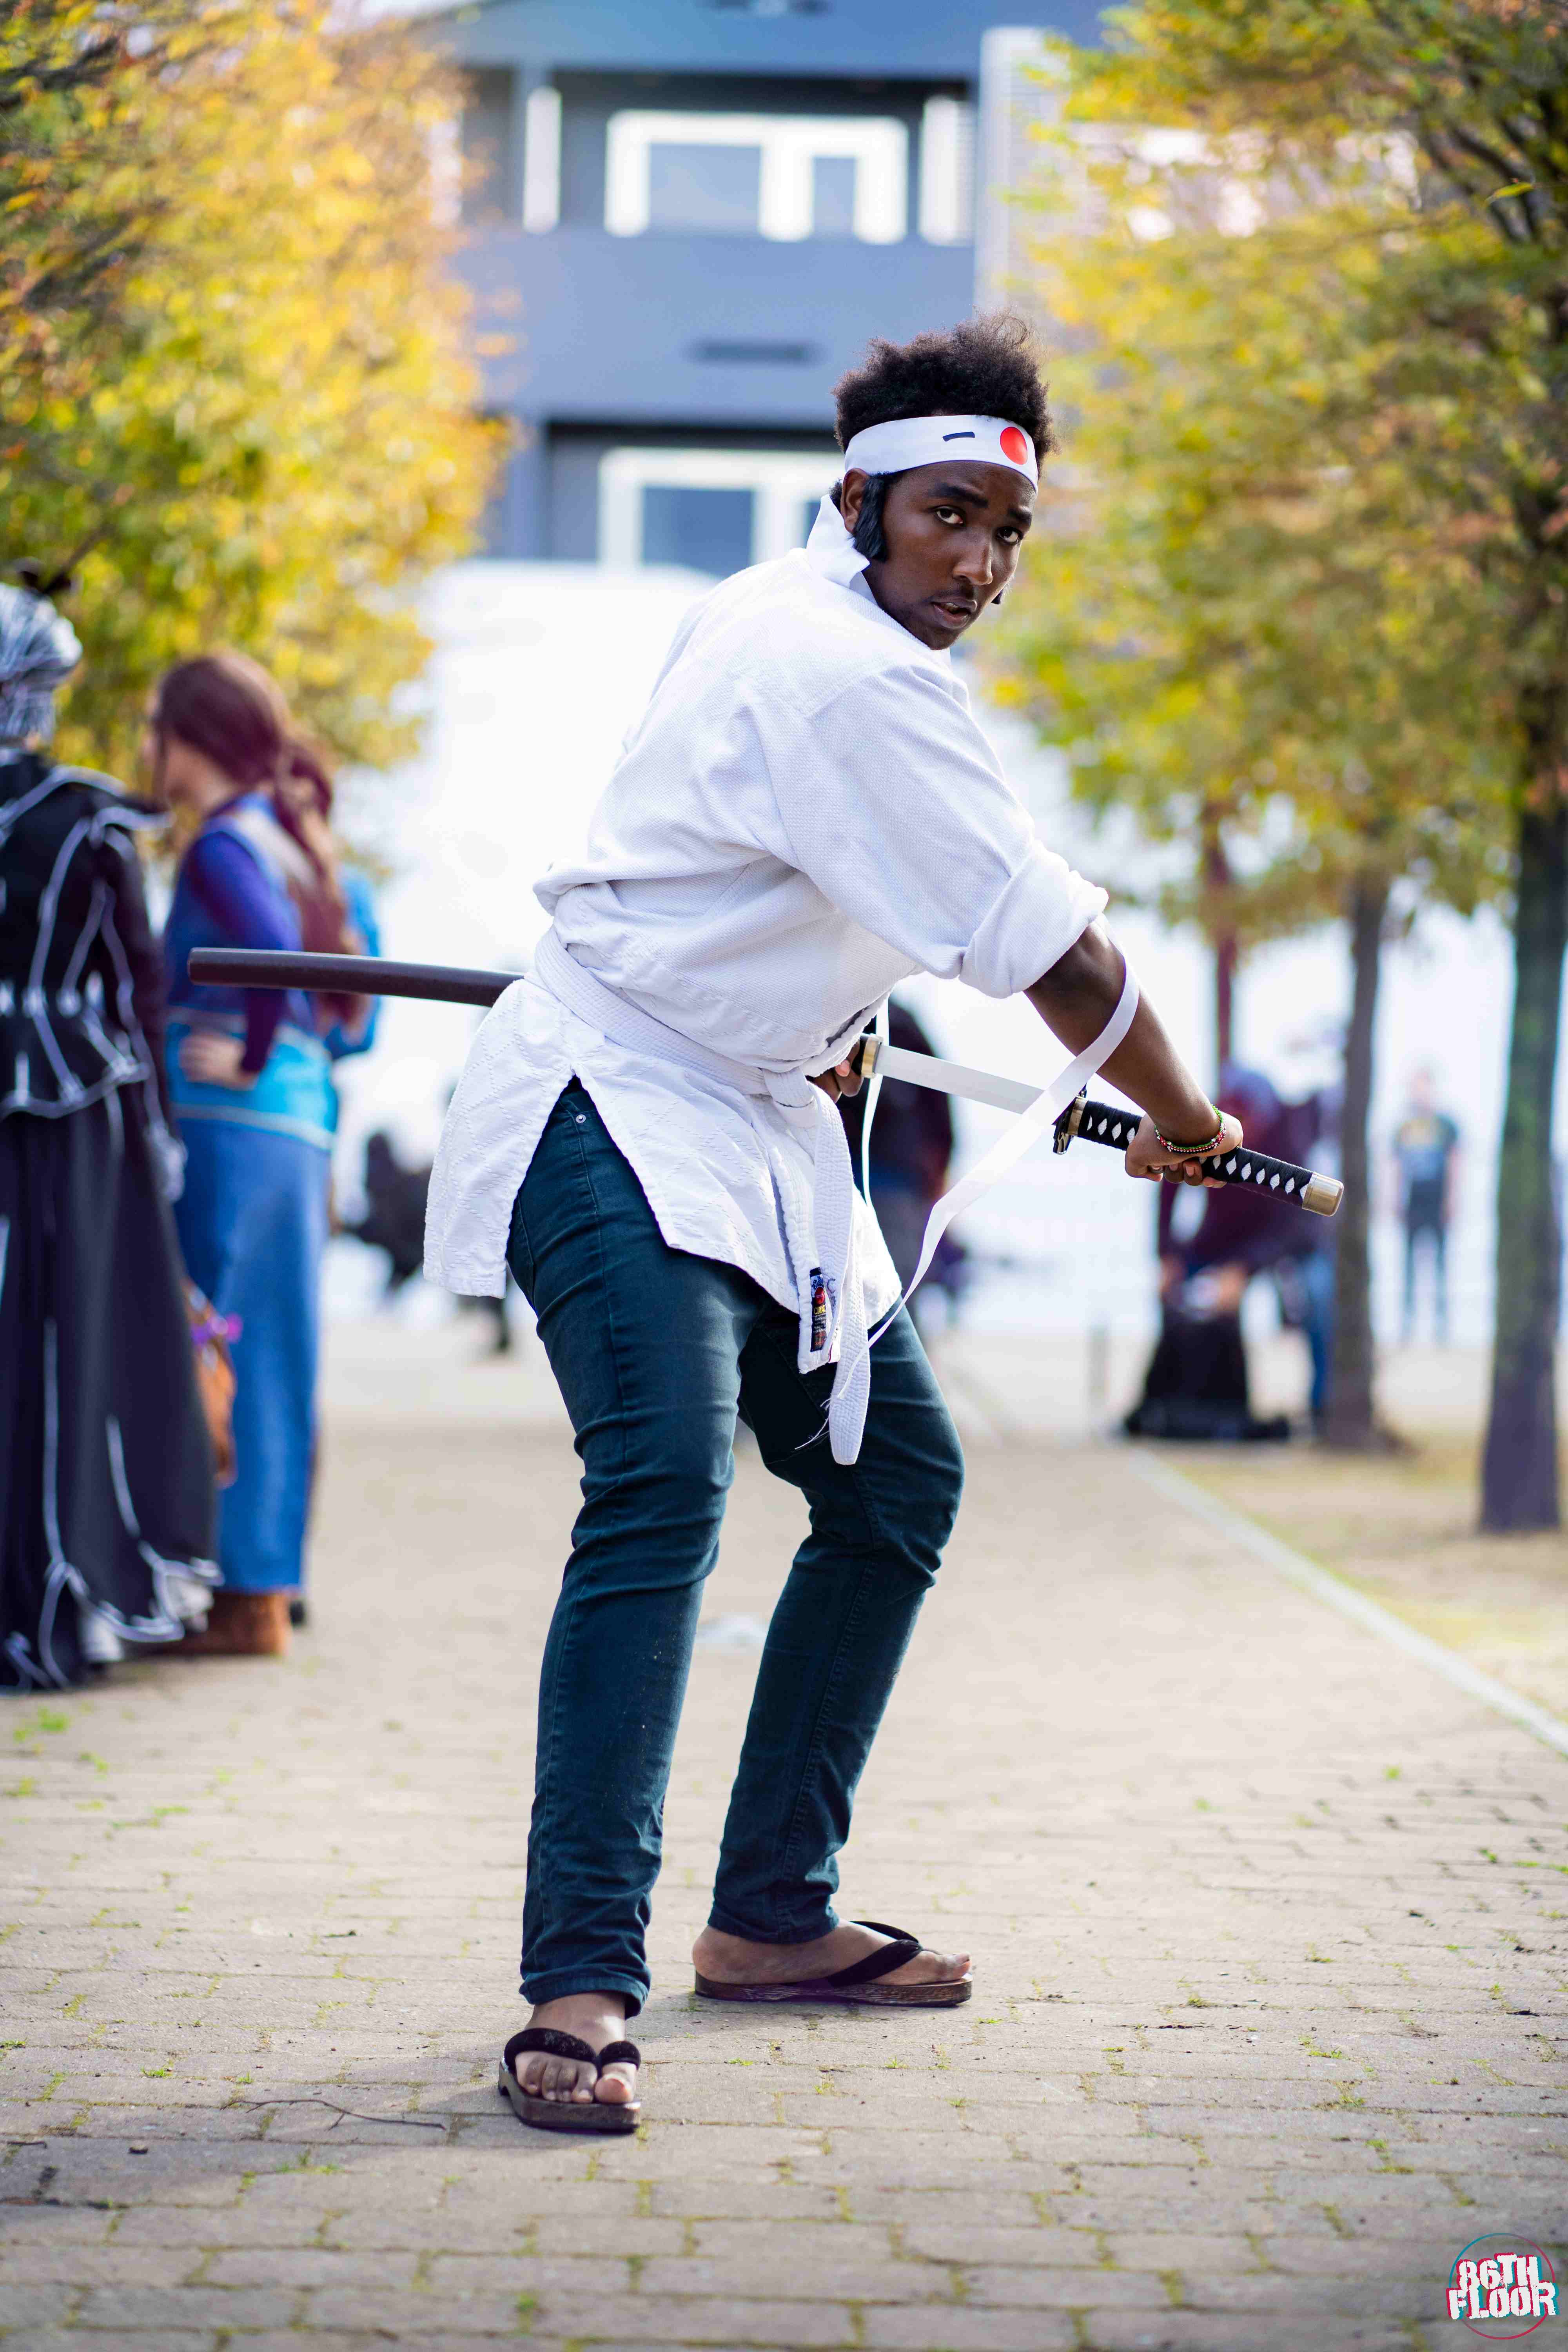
(868, 538)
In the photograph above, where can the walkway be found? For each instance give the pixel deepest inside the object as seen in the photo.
(1269, 1922)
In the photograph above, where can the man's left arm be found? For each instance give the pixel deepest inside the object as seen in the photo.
(922, 842)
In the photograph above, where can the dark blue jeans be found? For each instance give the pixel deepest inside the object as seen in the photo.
(657, 1352)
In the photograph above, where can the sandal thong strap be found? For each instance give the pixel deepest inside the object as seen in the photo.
(892, 1956)
(555, 2045)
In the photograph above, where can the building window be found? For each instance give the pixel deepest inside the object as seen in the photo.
(700, 529)
(488, 97)
(775, 175)
(716, 188)
(712, 510)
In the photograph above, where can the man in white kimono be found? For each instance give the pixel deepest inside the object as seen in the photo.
(805, 816)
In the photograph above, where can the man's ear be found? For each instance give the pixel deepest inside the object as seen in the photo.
(851, 497)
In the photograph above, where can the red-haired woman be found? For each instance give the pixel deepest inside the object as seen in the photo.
(251, 1079)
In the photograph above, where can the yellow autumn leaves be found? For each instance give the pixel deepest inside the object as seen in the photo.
(232, 360)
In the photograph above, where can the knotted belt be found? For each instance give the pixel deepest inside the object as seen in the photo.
(847, 1337)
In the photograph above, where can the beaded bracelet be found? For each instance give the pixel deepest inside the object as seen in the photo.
(1193, 1150)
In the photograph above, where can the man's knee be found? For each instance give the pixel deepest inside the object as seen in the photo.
(921, 1519)
(947, 1481)
(661, 1504)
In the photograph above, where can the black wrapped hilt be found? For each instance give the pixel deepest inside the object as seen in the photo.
(1281, 1180)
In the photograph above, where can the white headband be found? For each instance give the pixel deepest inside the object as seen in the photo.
(907, 441)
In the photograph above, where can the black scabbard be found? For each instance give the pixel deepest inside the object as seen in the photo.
(340, 975)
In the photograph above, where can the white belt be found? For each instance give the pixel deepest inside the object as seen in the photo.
(833, 1196)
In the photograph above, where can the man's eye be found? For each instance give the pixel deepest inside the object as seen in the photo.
(1010, 537)
(948, 514)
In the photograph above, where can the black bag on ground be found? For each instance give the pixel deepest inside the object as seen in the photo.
(1195, 1387)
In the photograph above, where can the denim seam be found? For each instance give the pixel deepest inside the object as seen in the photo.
(852, 1619)
(586, 1173)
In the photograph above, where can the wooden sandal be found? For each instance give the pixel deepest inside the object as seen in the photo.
(858, 1981)
(567, 2115)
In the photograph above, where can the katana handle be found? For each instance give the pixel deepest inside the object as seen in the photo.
(1281, 1180)
(342, 975)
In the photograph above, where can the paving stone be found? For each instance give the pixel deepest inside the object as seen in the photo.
(1086, 2287)
(888, 2329)
(35, 2306)
(161, 2337)
(1207, 2331)
(1211, 2056)
(182, 2306)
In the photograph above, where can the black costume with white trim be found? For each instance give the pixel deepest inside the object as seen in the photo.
(106, 1485)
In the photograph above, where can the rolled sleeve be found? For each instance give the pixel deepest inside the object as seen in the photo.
(1031, 924)
(894, 803)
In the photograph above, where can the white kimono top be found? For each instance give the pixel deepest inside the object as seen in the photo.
(805, 815)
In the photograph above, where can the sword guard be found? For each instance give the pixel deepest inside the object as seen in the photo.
(1067, 1125)
(863, 1060)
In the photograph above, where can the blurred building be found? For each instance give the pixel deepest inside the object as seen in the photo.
(685, 219)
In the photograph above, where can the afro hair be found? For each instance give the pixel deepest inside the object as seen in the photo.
(984, 367)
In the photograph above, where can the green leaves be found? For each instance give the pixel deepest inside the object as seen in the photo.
(231, 356)
(1309, 573)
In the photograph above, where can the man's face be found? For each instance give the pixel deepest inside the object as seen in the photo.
(953, 531)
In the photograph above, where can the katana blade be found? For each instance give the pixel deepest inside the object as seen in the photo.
(942, 1077)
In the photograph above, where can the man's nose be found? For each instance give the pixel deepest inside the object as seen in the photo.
(976, 561)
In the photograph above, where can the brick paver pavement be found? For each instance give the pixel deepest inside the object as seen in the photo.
(1267, 1922)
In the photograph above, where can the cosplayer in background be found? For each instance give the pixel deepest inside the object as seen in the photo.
(1196, 1386)
(1427, 1159)
(805, 816)
(250, 1075)
(106, 1474)
(912, 1153)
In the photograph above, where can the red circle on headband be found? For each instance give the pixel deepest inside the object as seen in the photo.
(1015, 444)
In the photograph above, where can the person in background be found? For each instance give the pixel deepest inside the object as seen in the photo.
(1197, 1385)
(393, 1219)
(339, 919)
(1427, 1170)
(106, 1471)
(336, 908)
(250, 1077)
(911, 1149)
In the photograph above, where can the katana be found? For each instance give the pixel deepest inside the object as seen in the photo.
(1092, 1122)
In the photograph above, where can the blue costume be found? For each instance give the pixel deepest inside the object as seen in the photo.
(253, 1216)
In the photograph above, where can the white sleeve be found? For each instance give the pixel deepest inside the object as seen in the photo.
(894, 804)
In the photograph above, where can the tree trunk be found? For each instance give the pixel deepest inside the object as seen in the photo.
(1218, 877)
(1225, 954)
(1518, 1470)
(1351, 1420)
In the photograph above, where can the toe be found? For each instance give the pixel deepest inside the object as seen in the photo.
(931, 1968)
(617, 2087)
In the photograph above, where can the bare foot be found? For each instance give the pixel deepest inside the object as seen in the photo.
(731, 1959)
(596, 2018)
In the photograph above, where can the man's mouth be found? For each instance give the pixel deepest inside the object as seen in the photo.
(956, 610)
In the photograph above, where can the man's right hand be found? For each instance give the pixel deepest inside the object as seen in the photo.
(1147, 1156)
(840, 1082)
